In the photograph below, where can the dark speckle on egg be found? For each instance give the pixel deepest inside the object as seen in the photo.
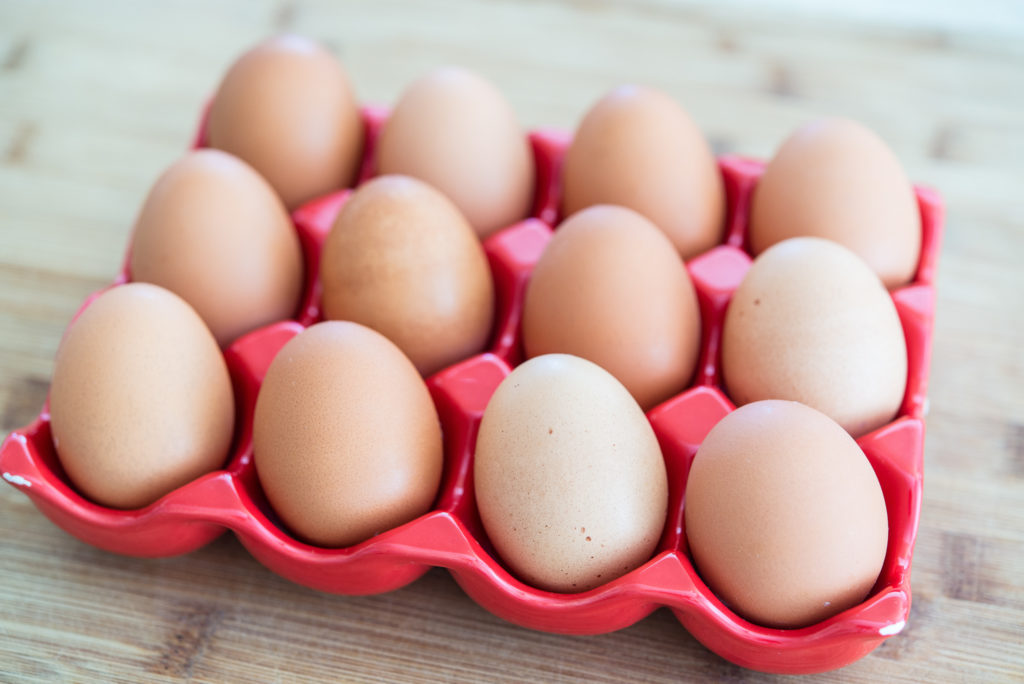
(569, 487)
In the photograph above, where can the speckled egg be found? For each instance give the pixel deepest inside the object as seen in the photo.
(404, 261)
(570, 481)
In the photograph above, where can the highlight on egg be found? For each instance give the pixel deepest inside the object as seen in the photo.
(456, 131)
(570, 481)
(611, 288)
(835, 178)
(141, 401)
(288, 109)
(213, 231)
(346, 440)
(811, 322)
(785, 519)
(637, 147)
(404, 261)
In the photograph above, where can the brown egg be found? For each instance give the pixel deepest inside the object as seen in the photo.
(141, 400)
(455, 130)
(213, 232)
(611, 288)
(836, 179)
(638, 148)
(812, 323)
(346, 440)
(784, 516)
(569, 479)
(402, 260)
(287, 108)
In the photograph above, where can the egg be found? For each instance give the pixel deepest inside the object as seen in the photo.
(638, 148)
(836, 179)
(569, 479)
(455, 130)
(402, 260)
(213, 232)
(611, 288)
(287, 108)
(141, 400)
(346, 440)
(811, 322)
(785, 518)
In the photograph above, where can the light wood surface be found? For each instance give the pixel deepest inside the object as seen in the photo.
(96, 98)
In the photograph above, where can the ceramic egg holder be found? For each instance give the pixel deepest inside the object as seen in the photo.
(451, 535)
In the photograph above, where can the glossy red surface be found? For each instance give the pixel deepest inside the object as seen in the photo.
(451, 535)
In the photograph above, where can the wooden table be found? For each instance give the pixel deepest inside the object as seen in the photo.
(96, 98)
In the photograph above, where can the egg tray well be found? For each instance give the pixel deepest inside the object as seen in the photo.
(450, 535)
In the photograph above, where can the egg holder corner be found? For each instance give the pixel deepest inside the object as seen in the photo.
(450, 535)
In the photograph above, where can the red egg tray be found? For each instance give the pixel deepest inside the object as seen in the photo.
(450, 535)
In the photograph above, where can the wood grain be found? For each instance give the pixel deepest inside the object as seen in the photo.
(96, 98)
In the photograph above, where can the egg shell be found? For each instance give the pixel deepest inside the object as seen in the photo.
(141, 401)
(455, 130)
(611, 288)
(402, 260)
(346, 441)
(638, 148)
(785, 518)
(812, 323)
(836, 179)
(570, 482)
(214, 232)
(287, 108)
(450, 535)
